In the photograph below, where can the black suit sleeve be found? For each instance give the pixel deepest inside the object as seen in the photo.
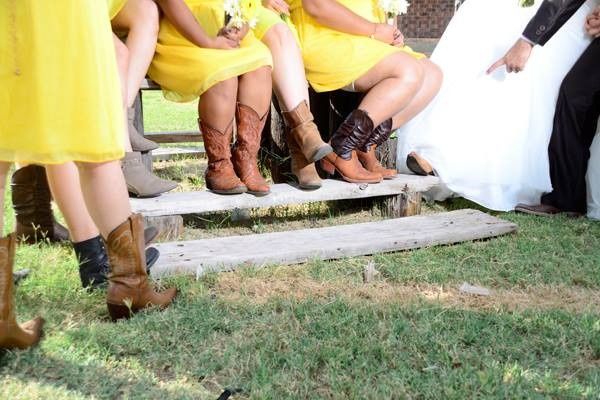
(551, 16)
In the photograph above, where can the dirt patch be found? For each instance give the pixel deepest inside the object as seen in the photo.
(234, 287)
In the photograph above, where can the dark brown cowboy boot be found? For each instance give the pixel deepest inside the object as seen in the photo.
(220, 176)
(304, 132)
(352, 134)
(31, 199)
(128, 288)
(366, 154)
(13, 335)
(246, 147)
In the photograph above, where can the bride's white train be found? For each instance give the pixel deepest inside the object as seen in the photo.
(487, 135)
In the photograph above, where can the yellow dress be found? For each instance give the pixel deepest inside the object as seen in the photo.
(60, 99)
(114, 6)
(333, 59)
(185, 71)
(267, 19)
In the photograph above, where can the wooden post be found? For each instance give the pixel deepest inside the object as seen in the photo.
(170, 227)
(275, 154)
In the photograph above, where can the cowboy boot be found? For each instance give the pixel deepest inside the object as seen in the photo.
(366, 154)
(93, 262)
(305, 171)
(352, 134)
(141, 182)
(128, 288)
(13, 335)
(137, 140)
(304, 132)
(246, 147)
(31, 199)
(220, 176)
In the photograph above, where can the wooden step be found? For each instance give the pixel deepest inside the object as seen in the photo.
(296, 247)
(174, 137)
(205, 202)
(174, 153)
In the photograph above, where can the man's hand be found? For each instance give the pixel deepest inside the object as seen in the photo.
(279, 6)
(515, 59)
(592, 23)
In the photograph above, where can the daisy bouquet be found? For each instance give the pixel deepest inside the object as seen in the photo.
(526, 3)
(393, 9)
(241, 12)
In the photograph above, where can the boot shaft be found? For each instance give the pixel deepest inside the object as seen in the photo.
(380, 135)
(298, 116)
(126, 248)
(249, 130)
(353, 134)
(31, 197)
(7, 256)
(217, 144)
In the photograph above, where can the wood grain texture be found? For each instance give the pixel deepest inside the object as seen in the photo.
(295, 247)
(203, 202)
(175, 153)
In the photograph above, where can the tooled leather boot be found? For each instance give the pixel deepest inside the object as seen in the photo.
(304, 132)
(366, 155)
(246, 147)
(352, 134)
(31, 199)
(138, 142)
(220, 176)
(13, 335)
(128, 288)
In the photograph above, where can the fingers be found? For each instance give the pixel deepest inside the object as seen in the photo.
(496, 65)
(282, 7)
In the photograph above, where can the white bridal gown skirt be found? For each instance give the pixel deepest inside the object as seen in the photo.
(487, 135)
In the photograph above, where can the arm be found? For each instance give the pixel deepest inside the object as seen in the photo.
(333, 15)
(178, 13)
(550, 17)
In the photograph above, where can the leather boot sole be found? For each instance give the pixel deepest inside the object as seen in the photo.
(415, 166)
(321, 153)
(258, 194)
(230, 192)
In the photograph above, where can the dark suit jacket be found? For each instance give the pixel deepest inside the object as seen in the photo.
(551, 16)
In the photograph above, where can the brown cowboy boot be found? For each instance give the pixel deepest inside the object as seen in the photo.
(305, 133)
(354, 132)
(128, 288)
(220, 176)
(366, 155)
(31, 199)
(246, 147)
(305, 171)
(138, 142)
(13, 335)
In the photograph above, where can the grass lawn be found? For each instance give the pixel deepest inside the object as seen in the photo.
(316, 331)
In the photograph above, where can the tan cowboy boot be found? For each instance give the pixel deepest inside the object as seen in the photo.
(305, 133)
(138, 142)
(220, 176)
(305, 171)
(141, 182)
(354, 132)
(128, 288)
(366, 155)
(246, 147)
(31, 199)
(13, 335)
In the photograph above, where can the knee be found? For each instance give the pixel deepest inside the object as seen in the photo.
(279, 36)
(411, 73)
(226, 89)
(434, 74)
(145, 16)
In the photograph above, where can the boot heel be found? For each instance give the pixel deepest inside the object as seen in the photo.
(328, 167)
(119, 311)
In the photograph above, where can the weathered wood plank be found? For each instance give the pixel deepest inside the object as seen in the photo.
(295, 247)
(173, 153)
(174, 137)
(202, 202)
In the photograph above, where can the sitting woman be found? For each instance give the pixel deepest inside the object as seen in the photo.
(290, 85)
(230, 70)
(346, 45)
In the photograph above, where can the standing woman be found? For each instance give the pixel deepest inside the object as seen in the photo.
(230, 70)
(346, 44)
(276, 30)
(79, 118)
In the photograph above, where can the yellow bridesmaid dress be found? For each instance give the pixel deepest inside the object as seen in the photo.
(114, 6)
(185, 71)
(334, 59)
(268, 18)
(60, 99)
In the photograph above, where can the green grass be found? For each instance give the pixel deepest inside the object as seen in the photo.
(316, 331)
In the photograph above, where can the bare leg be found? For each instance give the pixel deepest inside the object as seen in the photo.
(289, 80)
(254, 90)
(105, 194)
(4, 166)
(122, 62)
(390, 86)
(140, 19)
(66, 189)
(431, 86)
(217, 105)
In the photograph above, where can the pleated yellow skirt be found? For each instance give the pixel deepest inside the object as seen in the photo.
(333, 59)
(185, 71)
(60, 99)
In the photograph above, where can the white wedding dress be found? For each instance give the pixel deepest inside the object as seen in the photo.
(487, 135)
